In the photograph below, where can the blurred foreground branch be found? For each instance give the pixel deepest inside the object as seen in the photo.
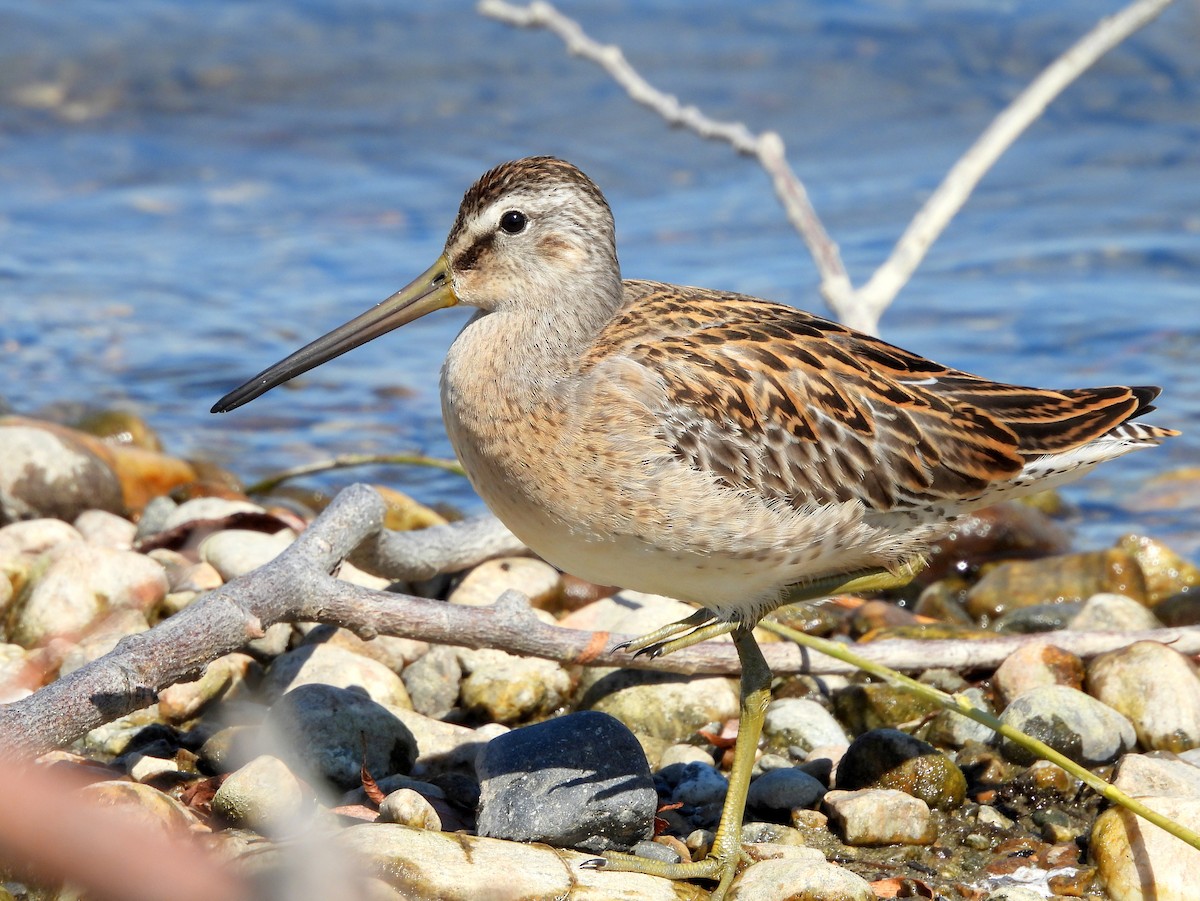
(297, 587)
(860, 308)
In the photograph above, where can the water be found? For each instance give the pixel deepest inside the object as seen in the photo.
(188, 191)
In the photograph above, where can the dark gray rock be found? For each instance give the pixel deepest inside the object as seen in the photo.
(776, 793)
(578, 781)
(331, 733)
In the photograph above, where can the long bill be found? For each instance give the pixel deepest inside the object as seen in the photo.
(430, 291)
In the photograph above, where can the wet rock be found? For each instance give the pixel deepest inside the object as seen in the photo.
(576, 781)
(79, 583)
(420, 863)
(409, 808)
(1005, 531)
(891, 759)
(333, 732)
(1140, 862)
(104, 528)
(1084, 729)
(880, 817)
(955, 730)
(323, 664)
(1156, 687)
(154, 811)
(103, 636)
(1034, 665)
(944, 602)
(1180, 610)
(404, 514)
(264, 796)
(800, 723)
(1014, 893)
(235, 552)
(1071, 577)
(510, 688)
(1113, 613)
(1165, 572)
(874, 705)
(1140, 775)
(776, 793)
(540, 582)
(50, 471)
(432, 681)
(790, 878)
(1037, 618)
(225, 677)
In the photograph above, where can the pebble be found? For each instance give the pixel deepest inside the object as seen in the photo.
(225, 678)
(510, 689)
(1036, 664)
(950, 729)
(684, 754)
(1113, 613)
(891, 759)
(576, 781)
(331, 733)
(144, 768)
(1014, 893)
(1157, 688)
(235, 552)
(198, 510)
(420, 863)
(392, 651)
(1157, 774)
(104, 528)
(1165, 572)
(264, 796)
(1140, 862)
(1073, 723)
(662, 705)
(540, 582)
(880, 816)
(79, 583)
(23, 542)
(433, 681)
(790, 878)
(323, 664)
(696, 784)
(409, 808)
(875, 705)
(46, 471)
(776, 793)
(800, 723)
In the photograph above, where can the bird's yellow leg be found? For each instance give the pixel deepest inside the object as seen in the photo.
(722, 861)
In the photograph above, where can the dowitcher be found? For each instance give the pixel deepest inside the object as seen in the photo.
(705, 445)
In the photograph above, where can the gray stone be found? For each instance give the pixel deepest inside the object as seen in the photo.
(578, 781)
(409, 808)
(433, 680)
(955, 730)
(1139, 862)
(104, 528)
(788, 878)
(1113, 613)
(1157, 774)
(324, 664)
(264, 796)
(45, 472)
(801, 723)
(331, 733)
(1157, 688)
(695, 784)
(1082, 728)
(776, 793)
(235, 552)
(880, 817)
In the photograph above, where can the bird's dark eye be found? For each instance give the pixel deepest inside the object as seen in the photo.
(513, 222)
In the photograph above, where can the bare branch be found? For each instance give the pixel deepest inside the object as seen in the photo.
(861, 308)
(296, 587)
(931, 220)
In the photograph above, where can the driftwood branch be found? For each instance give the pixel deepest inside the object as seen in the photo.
(859, 308)
(297, 587)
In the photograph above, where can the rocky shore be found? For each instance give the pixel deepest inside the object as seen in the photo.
(429, 770)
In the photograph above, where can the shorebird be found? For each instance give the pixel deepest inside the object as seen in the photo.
(705, 445)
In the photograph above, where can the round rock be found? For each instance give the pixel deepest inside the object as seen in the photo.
(801, 723)
(578, 781)
(325, 664)
(891, 759)
(1157, 688)
(1074, 724)
(263, 795)
(331, 733)
(45, 472)
(776, 793)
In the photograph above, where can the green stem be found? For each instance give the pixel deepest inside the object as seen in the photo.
(962, 706)
(347, 460)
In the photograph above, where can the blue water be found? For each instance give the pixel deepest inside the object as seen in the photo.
(188, 191)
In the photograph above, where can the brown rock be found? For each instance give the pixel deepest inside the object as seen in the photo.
(1034, 665)
(1071, 577)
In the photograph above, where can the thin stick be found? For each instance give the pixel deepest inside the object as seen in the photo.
(345, 461)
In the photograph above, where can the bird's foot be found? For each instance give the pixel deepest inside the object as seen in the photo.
(720, 865)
